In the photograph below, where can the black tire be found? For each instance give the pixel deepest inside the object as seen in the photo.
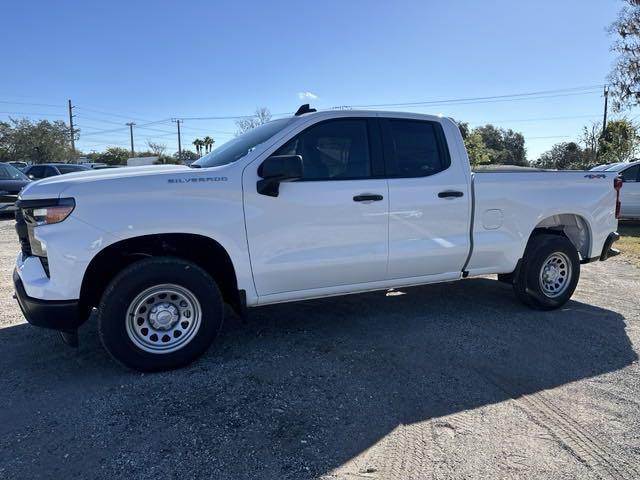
(146, 274)
(528, 284)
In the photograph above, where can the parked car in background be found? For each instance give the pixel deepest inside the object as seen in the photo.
(630, 193)
(11, 182)
(103, 167)
(44, 170)
(19, 165)
(93, 165)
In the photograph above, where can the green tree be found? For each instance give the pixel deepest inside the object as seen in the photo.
(619, 141)
(198, 143)
(506, 147)
(42, 141)
(513, 143)
(262, 115)
(208, 143)
(157, 149)
(562, 156)
(625, 75)
(478, 152)
(589, 139)
(464, 129)
(187, 156)
(112, 156)
(166, 160)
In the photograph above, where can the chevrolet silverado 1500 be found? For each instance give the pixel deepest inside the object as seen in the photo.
(317, 204)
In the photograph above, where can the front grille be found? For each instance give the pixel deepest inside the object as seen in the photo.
(23, 233)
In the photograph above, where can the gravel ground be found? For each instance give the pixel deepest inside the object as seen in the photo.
(445, 381)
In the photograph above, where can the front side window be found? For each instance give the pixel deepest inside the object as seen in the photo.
(631, 174)
(415, 148)
(332, 150)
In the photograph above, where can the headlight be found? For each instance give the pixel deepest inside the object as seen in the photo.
(46, 212)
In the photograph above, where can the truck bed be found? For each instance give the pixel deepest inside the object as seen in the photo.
(508, 204)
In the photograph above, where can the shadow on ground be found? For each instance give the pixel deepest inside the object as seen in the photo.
(295, 393)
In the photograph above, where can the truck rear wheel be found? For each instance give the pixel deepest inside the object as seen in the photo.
(549, 272)
(159, 314)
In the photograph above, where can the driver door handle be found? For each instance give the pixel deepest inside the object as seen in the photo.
(367, 197)
(450, 194)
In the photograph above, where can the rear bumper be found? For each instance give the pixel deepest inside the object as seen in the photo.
(56, 314)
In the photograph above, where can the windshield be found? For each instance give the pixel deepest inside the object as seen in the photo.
(237, 148)
(9, 172)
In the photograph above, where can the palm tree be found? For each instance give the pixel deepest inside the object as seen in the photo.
(198, 144)
(208, 143)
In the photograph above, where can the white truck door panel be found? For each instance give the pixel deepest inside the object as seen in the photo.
(319, 231)
(429, 206)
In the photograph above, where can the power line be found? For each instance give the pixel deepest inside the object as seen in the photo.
(96, 132)
(539, 119)
(511, 96)
(36, 113)
(102, 112)
(549, 136)
(33, 104)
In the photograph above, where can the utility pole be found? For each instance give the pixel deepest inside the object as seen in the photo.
(606, 101)
(72, 131)
(130, 125)
(178, 121)
(604, 119)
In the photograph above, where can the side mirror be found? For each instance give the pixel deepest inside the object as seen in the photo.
(31, 176)
(277, 169)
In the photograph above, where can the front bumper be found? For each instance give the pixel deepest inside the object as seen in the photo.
(57, 314)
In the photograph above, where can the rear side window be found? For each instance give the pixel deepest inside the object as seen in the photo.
(332, 150)
(631, 174)
(414, 148)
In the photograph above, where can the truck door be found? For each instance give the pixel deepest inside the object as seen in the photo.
(429, 200)
(630, 193)
(329, 228)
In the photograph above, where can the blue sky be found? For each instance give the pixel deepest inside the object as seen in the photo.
(149, 61)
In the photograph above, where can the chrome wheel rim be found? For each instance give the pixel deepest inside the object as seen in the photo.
(163, 318)
(555, 274)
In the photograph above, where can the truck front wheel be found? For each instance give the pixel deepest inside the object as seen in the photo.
(159, 314)
(549, 272)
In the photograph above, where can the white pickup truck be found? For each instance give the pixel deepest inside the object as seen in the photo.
(318, 204)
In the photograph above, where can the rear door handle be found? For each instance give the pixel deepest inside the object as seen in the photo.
(368, 197)
(450, 194)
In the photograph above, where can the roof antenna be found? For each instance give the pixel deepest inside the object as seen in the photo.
(304, 109)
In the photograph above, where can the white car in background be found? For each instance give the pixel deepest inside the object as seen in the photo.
(630, 193)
